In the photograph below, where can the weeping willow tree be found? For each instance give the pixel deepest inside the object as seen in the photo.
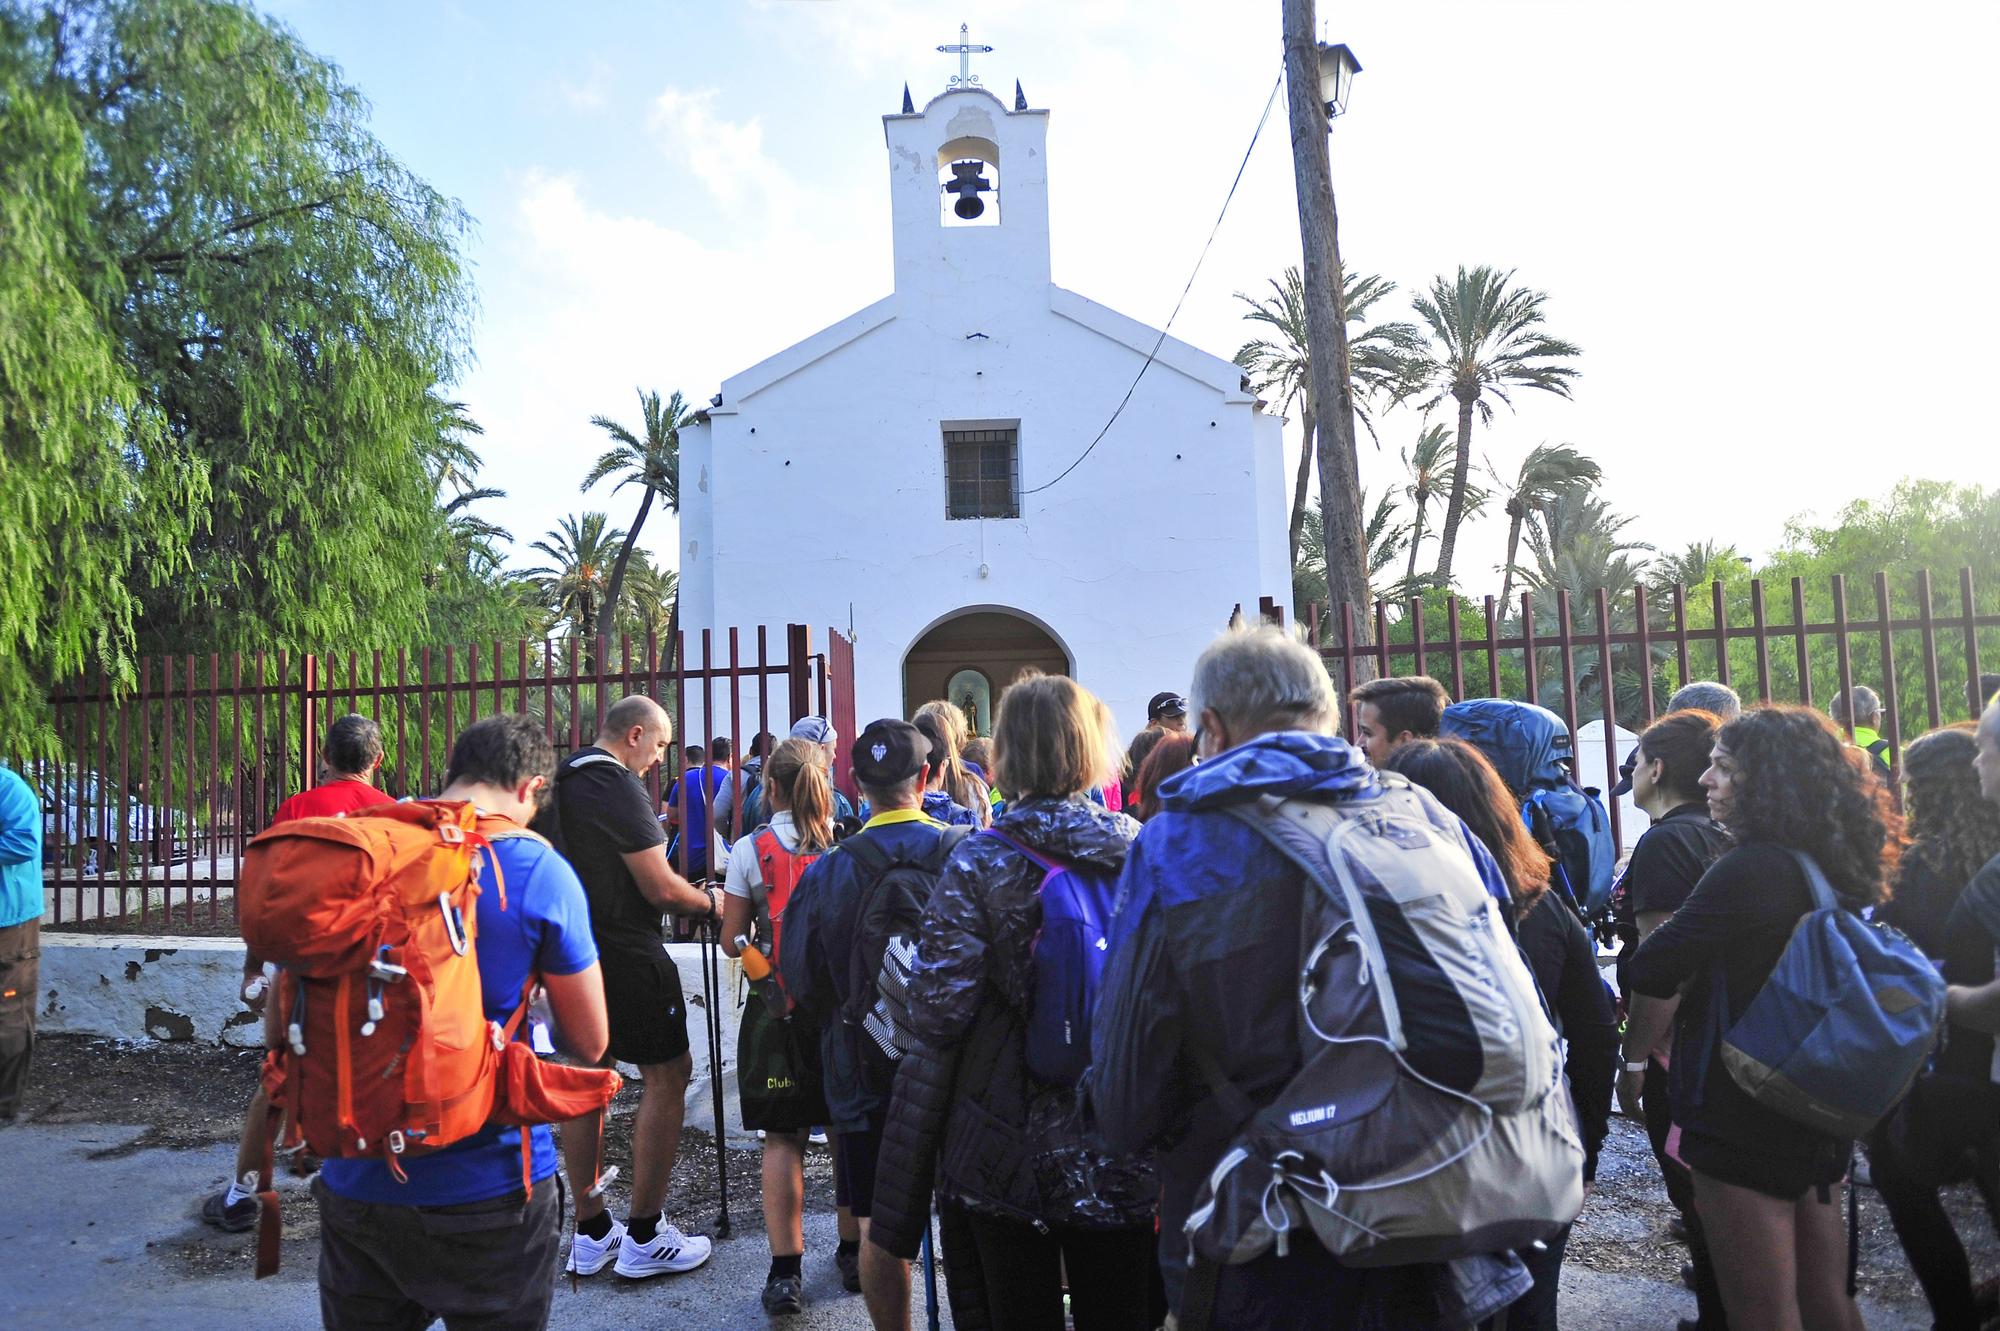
(225, 310)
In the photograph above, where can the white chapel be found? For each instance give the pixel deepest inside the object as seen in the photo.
(900, 475)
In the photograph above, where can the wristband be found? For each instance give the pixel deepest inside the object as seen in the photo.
(1636, 1067)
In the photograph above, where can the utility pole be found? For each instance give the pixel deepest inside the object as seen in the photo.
(1326, 324)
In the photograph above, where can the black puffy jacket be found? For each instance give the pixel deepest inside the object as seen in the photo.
(966, 1113)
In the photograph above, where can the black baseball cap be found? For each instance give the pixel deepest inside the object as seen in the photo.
(1624, 786)
(889, 752)
(1166, 704)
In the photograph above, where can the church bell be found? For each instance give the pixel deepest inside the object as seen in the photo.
(967, 183)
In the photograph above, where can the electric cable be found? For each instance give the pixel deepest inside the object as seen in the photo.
(1160, 341)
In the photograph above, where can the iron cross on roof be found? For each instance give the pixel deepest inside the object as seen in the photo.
(964, 50)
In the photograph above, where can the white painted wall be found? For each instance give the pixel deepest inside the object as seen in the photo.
(817, 488)
(135, 987)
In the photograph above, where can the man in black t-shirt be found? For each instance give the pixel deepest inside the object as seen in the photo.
(602, 819)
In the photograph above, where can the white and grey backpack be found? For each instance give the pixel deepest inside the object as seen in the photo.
(1429, 1119)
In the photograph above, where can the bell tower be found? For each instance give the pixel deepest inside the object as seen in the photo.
(968, 180)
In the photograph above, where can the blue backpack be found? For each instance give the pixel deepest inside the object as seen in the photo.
(1847, 1021)
(1530, 747)
(1070, 952)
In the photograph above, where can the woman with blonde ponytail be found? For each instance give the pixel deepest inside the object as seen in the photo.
(764, 867)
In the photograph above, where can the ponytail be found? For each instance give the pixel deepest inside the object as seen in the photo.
(797, 772)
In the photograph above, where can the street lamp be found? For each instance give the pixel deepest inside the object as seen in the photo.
(1337, 68)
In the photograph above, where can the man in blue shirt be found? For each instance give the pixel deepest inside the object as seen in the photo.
(688, 803)
(460, 1240)
(20, 933)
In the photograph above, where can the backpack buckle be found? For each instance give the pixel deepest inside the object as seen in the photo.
(451, 834)
(396, 1142)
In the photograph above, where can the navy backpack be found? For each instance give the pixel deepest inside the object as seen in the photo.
(1069, 951)
(1530, 747)
(1849, 1017)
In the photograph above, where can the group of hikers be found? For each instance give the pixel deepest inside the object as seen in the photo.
(1243, 1025)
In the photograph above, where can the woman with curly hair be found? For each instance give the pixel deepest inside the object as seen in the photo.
(1953, 831)
(1767, 1188)
(1558, 951)
(1953, 1110)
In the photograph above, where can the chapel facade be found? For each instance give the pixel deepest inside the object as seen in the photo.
(911, 475)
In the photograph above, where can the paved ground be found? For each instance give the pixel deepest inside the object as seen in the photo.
(113, 1241)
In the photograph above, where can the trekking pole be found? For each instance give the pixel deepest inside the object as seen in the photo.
(711, 985)
(930, 1274)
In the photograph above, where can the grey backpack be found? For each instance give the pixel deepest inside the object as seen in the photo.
(1429, 1119)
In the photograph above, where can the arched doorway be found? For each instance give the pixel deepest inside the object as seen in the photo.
(971, 657)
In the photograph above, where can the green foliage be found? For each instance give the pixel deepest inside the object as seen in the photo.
(90, 485)
(225, 308)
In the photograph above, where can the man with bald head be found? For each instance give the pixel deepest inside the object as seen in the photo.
(602, 819)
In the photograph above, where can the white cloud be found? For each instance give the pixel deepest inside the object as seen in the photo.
(597, 303)
(726, 156)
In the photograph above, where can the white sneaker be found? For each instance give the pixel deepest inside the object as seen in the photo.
(670, 1253)
(588, 1256)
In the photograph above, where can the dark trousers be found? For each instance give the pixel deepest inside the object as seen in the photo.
(481, 1266)
(1536, 1310)
(1680, 1191)
(1940, 1134)
(20, 979)
(1113, 1279)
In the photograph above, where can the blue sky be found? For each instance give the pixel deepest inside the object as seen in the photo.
(1770, 234)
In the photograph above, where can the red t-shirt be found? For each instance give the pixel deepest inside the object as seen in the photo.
(344, 795)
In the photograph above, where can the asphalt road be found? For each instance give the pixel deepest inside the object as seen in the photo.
(115, 1241)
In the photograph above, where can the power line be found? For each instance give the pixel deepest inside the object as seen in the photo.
(1160, 341)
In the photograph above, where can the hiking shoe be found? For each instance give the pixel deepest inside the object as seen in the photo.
(588, 1256)
(670, 1253)
(782, 1297)
(230, 1218)
(850, 1269)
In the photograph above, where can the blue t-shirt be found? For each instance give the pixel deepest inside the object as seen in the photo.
(20, 850)
(545, 929)
(692, 795)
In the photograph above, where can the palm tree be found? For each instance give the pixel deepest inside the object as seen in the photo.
(653, 463)
(1579, 546)
(1385, 537)
(648, 606)
(1485, 341)
(575, 585)
(1281, 366)
(447, 449)
(1549, 470)
(1428, 464)
(1697, 564)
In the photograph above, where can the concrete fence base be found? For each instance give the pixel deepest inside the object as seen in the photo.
(136, 987)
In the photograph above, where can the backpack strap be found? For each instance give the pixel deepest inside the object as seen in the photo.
(1298, 830)
(1034, 856)
(1822, 891)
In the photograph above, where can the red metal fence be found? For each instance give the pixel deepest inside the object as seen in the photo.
(1921, 648)
(156, 790)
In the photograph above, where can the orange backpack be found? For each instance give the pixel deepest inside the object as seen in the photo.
(782, 870)
(383, 1048)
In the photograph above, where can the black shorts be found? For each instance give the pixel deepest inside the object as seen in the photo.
(854, 1170)
(648, 1012)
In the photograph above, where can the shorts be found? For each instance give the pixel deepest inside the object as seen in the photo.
(490, 1264)
(1816, 1161)
(648, 1012)
(854, 1168)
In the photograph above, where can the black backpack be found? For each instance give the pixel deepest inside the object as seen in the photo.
(888, 918)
